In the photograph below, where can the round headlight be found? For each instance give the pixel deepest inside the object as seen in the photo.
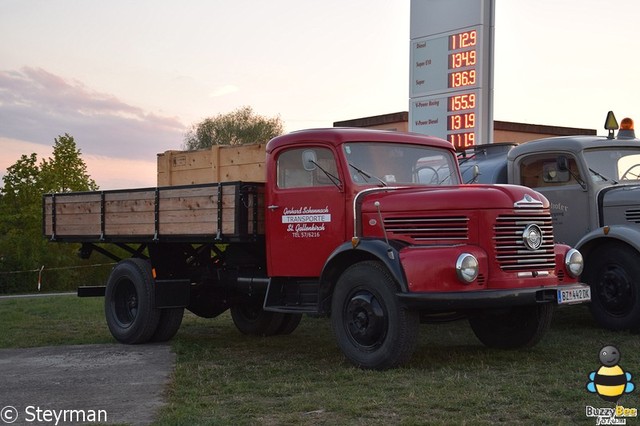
(574, 262)
(467, 267)
(532, 237)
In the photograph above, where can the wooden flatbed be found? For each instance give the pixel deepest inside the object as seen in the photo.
(224, 212)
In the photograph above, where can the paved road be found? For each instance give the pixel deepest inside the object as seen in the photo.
(114, 383)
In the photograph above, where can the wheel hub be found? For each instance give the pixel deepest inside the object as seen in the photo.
(616, 291)
(132, 304)
(366, 320)
(125, 303)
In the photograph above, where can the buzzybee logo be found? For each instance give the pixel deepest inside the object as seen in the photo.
(610, 382)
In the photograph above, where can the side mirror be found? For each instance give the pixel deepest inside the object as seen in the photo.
(563, 163)
(476, 173)
(309, 160)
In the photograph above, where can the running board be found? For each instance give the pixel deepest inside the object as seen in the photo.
(292, 296)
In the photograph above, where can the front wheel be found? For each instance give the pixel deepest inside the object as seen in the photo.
(128, 303)
(613, 272)
(517, 327)
(371, 327)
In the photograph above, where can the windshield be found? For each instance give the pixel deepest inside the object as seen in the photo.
(621, 164)
(400, 164)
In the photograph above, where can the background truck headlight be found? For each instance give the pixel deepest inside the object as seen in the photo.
(467, 267)
(574, 262)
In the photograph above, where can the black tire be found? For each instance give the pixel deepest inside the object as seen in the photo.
(250, 318)
(168, 324)
(289, 323)
(517, 327)
(372, 328)
(613, 273)
(128, 302)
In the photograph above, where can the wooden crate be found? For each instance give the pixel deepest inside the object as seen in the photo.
(221, 163)
(226, 211)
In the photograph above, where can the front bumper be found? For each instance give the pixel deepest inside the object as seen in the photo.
(485, 299)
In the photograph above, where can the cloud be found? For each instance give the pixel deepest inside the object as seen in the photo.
(36, 106)
(224, 90)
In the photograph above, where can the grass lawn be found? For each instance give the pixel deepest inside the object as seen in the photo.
(223, 377)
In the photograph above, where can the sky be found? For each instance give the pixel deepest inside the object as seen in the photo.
(127, 79)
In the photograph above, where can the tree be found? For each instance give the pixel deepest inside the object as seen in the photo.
(21, 183)
(22, 247)
(238, 127)
(66, 171)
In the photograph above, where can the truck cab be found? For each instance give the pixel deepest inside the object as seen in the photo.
(381, 223)
(313, 179)
(593, 186)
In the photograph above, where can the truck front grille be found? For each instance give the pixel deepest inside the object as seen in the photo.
(511, 252)
(633, 215)
(429, 229)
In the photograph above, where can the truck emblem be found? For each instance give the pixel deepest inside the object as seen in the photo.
(532, 237)
(528, 201)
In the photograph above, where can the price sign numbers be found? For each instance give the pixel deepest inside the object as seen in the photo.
(463, 40)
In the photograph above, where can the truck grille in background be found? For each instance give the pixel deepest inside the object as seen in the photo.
(429, 229)
(512, 255)
(633, 215)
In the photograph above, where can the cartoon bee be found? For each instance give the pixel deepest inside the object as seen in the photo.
(610, 381)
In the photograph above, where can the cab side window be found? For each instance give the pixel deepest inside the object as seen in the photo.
(295, 171)
(543, 171)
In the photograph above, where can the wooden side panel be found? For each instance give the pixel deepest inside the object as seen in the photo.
(163, 167)
(76, 214)
(256, 210)
(239, 163)
(221, 163)
(194, 211)
(185, 167)
(129, 213)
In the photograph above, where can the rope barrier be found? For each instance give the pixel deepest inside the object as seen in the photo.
(56, 268)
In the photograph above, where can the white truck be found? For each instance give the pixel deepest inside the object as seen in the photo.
(593, 186)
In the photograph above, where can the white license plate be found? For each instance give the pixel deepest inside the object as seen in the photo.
(574, 295)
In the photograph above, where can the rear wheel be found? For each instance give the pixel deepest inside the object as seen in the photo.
(128, 304)
(168, 324)
(517, 327)
(250, 318)
(371, 327)
(289, 323)
(613, 272)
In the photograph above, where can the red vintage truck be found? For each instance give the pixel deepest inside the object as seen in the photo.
(374, 229)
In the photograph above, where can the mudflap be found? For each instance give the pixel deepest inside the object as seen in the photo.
(172, 293)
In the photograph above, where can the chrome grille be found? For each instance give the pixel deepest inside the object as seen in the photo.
(511, 253)
(427, 229)
(633, 215)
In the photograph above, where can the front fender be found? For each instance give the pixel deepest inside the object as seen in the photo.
(624, 233)
(346, 255)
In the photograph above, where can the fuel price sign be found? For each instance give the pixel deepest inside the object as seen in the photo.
(450, 81)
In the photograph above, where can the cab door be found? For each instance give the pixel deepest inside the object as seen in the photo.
(567, 190)
(305, 214)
